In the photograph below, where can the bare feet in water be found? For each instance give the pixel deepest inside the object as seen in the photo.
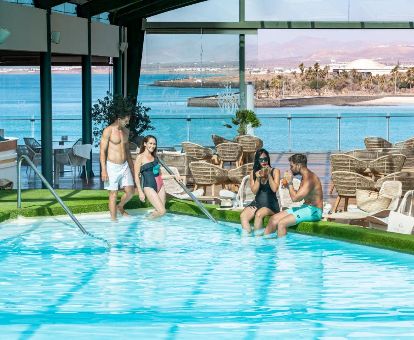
(122, 211)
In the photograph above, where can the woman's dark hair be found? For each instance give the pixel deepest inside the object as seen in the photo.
(146, 139)
(256, 164)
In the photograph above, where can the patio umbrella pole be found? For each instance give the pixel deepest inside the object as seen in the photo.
(196, 201)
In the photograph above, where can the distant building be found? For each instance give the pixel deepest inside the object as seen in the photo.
(364, 66)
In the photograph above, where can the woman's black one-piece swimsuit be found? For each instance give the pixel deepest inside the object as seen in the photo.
(265, 197)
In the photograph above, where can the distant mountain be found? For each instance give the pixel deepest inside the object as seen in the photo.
(310, 50)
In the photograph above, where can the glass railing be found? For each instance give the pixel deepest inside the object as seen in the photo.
(279, 132)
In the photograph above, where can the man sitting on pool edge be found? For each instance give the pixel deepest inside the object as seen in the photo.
(310, 191)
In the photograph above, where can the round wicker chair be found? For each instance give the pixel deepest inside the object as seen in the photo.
(405, 177)
(387, 164)
(346, 183)
(218, 139)
(343, 162)
(236, 175)
(205, 174)
(365, 155)
(197, 151)
(230, 152)
(250, 145)
(376, 143)
(405, 144)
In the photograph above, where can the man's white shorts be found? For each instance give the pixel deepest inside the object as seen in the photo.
(119, 176)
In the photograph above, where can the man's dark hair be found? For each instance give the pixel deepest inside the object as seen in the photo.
(299, 158)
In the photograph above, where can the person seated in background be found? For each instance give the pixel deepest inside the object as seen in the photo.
(310, 190)
(264, 183)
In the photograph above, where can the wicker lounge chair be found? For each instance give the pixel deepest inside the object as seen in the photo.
(250, 145)
(405, 177)
(387, 164)
(391, 189)
(205, 174)
(236, 175)
(197, 151)
(229, 152)
(346, 183)
(372, 143)
(219, 139)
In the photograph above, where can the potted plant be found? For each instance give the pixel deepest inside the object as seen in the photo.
(106, 110)
(245, 119)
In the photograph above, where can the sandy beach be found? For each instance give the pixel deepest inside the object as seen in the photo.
(387, 101)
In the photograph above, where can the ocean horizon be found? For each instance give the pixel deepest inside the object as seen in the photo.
(312, 128)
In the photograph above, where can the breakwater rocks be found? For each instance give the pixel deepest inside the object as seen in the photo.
(212, 101)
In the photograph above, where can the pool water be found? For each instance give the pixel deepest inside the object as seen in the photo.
(182, 277)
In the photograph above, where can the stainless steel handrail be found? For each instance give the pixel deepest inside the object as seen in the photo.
(53, 192)
(189, 193)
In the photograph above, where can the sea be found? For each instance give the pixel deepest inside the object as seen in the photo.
(308, 128)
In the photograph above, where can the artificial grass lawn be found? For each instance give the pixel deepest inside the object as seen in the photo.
(42, 203)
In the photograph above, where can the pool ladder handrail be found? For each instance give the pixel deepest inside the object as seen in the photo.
(53, 192)
(189, 193)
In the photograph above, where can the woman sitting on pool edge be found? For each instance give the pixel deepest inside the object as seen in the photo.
(148, 176)
(264, 182)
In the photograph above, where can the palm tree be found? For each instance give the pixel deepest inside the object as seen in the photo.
(395, 72)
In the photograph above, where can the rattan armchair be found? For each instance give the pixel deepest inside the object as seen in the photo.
(197, 151)
(405, 177)
(405, 144)
(365, 155)
(230, 152)
(250, 145)
(346, 183)
(387, 164)
(219, 139)
(343, 162)
(205, 174)
(236, 175)
(376, 143)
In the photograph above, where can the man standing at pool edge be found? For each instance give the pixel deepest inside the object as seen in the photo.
(116, 164)
(310, 191)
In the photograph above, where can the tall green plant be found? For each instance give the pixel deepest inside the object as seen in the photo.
(107, 109)
(243, 118)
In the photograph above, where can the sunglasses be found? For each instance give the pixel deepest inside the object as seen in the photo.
(264, 159)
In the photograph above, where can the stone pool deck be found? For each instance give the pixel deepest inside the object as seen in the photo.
(41, 203)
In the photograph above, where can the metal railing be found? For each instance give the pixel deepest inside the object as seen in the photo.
(53, 192)
(172, 130)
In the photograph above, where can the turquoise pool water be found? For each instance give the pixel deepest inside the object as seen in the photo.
(186, 278)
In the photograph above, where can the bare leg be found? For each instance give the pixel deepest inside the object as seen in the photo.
(112, 203)
(129, 192)
(260, 214)
(246, 215)
(162, 195)
(285, 223)
(156, 202)
(273, 222)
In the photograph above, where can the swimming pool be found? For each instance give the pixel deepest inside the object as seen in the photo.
(182, 277)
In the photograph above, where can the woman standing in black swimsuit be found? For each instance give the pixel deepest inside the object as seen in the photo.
(264, 182)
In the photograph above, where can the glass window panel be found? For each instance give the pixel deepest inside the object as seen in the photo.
(297, 10)
(329, 10)
(211, 10)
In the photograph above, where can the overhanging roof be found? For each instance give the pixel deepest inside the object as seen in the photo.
(124, 11)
